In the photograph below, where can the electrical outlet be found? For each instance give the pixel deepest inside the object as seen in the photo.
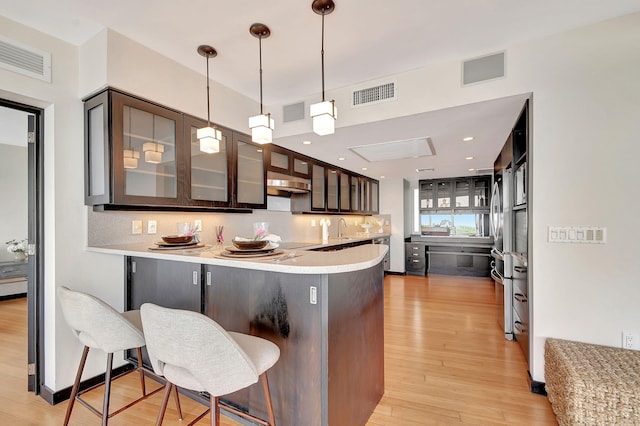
(630, 340)
(152, 227)
(313, 223)
(136, 227)
(197, 225)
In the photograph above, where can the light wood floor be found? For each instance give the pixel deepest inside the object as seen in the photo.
(446, 362)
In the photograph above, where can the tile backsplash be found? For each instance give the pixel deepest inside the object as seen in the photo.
(115, 227)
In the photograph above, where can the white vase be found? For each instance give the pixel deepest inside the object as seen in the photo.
(20, 256)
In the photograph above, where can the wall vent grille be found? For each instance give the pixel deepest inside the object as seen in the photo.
(293, 112)
(374, 95)
(25, 60)
(483, 69)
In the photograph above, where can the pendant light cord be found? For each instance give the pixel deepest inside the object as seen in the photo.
(322, 57)
(260, 48)
(208, 107)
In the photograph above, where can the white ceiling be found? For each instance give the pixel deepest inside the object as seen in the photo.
(365, 40)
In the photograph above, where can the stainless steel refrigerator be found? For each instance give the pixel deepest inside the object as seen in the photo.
(502, 232)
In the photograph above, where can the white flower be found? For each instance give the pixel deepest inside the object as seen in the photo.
(16, 246)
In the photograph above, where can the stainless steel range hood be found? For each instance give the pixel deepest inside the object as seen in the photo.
(284, 186)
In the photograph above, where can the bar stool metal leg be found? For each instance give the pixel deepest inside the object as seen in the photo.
(76, 385)
(107, 389)
(267, 397)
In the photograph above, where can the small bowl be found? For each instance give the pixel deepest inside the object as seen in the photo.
(177, 239)
(250, 245)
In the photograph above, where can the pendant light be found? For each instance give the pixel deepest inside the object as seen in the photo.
(261, 125)
(153, 150)
(325, 113)
(209, 136)
(130, 155)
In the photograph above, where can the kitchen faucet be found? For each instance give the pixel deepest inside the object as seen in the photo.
(340, 222)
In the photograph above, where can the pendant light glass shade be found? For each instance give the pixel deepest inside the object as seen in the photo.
(261, 125)
(153, 152)
(131, 159)
(261, 128)
(324, 115)
(209, 138)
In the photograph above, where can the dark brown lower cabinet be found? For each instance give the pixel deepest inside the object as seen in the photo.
(329, 328)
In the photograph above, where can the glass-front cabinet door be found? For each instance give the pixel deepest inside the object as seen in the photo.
(208, 177)
(481, 195)
(462, 193)
(345, 192)
(318, 187)
(301, 166)
(146, 141)
(444, 195)
(250, 174)
(333, 176)
(427, 195)
(355, 194)
(375, 201)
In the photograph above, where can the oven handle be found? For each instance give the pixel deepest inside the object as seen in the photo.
(520, 327)
(520, 297)
(496, 276)
(497, 254)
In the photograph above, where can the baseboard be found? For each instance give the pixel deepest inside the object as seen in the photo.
(537, 387)
(13, 296)
(56, 397)
(393, 273)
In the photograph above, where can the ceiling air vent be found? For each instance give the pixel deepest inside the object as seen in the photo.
(484, 171)
(374, 95)
(482, 69)
(25, 60)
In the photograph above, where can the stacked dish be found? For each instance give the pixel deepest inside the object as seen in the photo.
(177, 242)
(251, 248)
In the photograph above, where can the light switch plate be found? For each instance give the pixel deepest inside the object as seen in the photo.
(152, 227)
(136, 227)
(577, 234)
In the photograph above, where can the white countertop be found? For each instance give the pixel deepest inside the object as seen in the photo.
(305, 262)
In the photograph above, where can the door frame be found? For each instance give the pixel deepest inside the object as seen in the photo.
(35, 274)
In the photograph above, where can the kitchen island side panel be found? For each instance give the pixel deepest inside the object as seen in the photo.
(355, 345)
(276, 307)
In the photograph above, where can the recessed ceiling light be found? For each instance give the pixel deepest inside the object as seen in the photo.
(468, 138)
(468, 158)
(382, 177)
(472, 170)
(340, 158)
(364, 168)
(306, 142)
(425, 169)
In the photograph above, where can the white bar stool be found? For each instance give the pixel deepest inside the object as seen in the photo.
(98, 326)
(193, 352)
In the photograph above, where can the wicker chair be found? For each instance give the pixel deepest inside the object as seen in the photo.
(193, 352)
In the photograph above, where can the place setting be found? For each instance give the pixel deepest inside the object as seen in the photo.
(262, 244)
(186, 239)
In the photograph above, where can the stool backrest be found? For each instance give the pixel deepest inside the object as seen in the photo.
(198, 345)
(97, 324)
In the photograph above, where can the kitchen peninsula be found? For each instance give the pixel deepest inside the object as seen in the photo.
(323, 309)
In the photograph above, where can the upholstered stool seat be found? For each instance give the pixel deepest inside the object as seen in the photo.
(193, 352)
(98, 326)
